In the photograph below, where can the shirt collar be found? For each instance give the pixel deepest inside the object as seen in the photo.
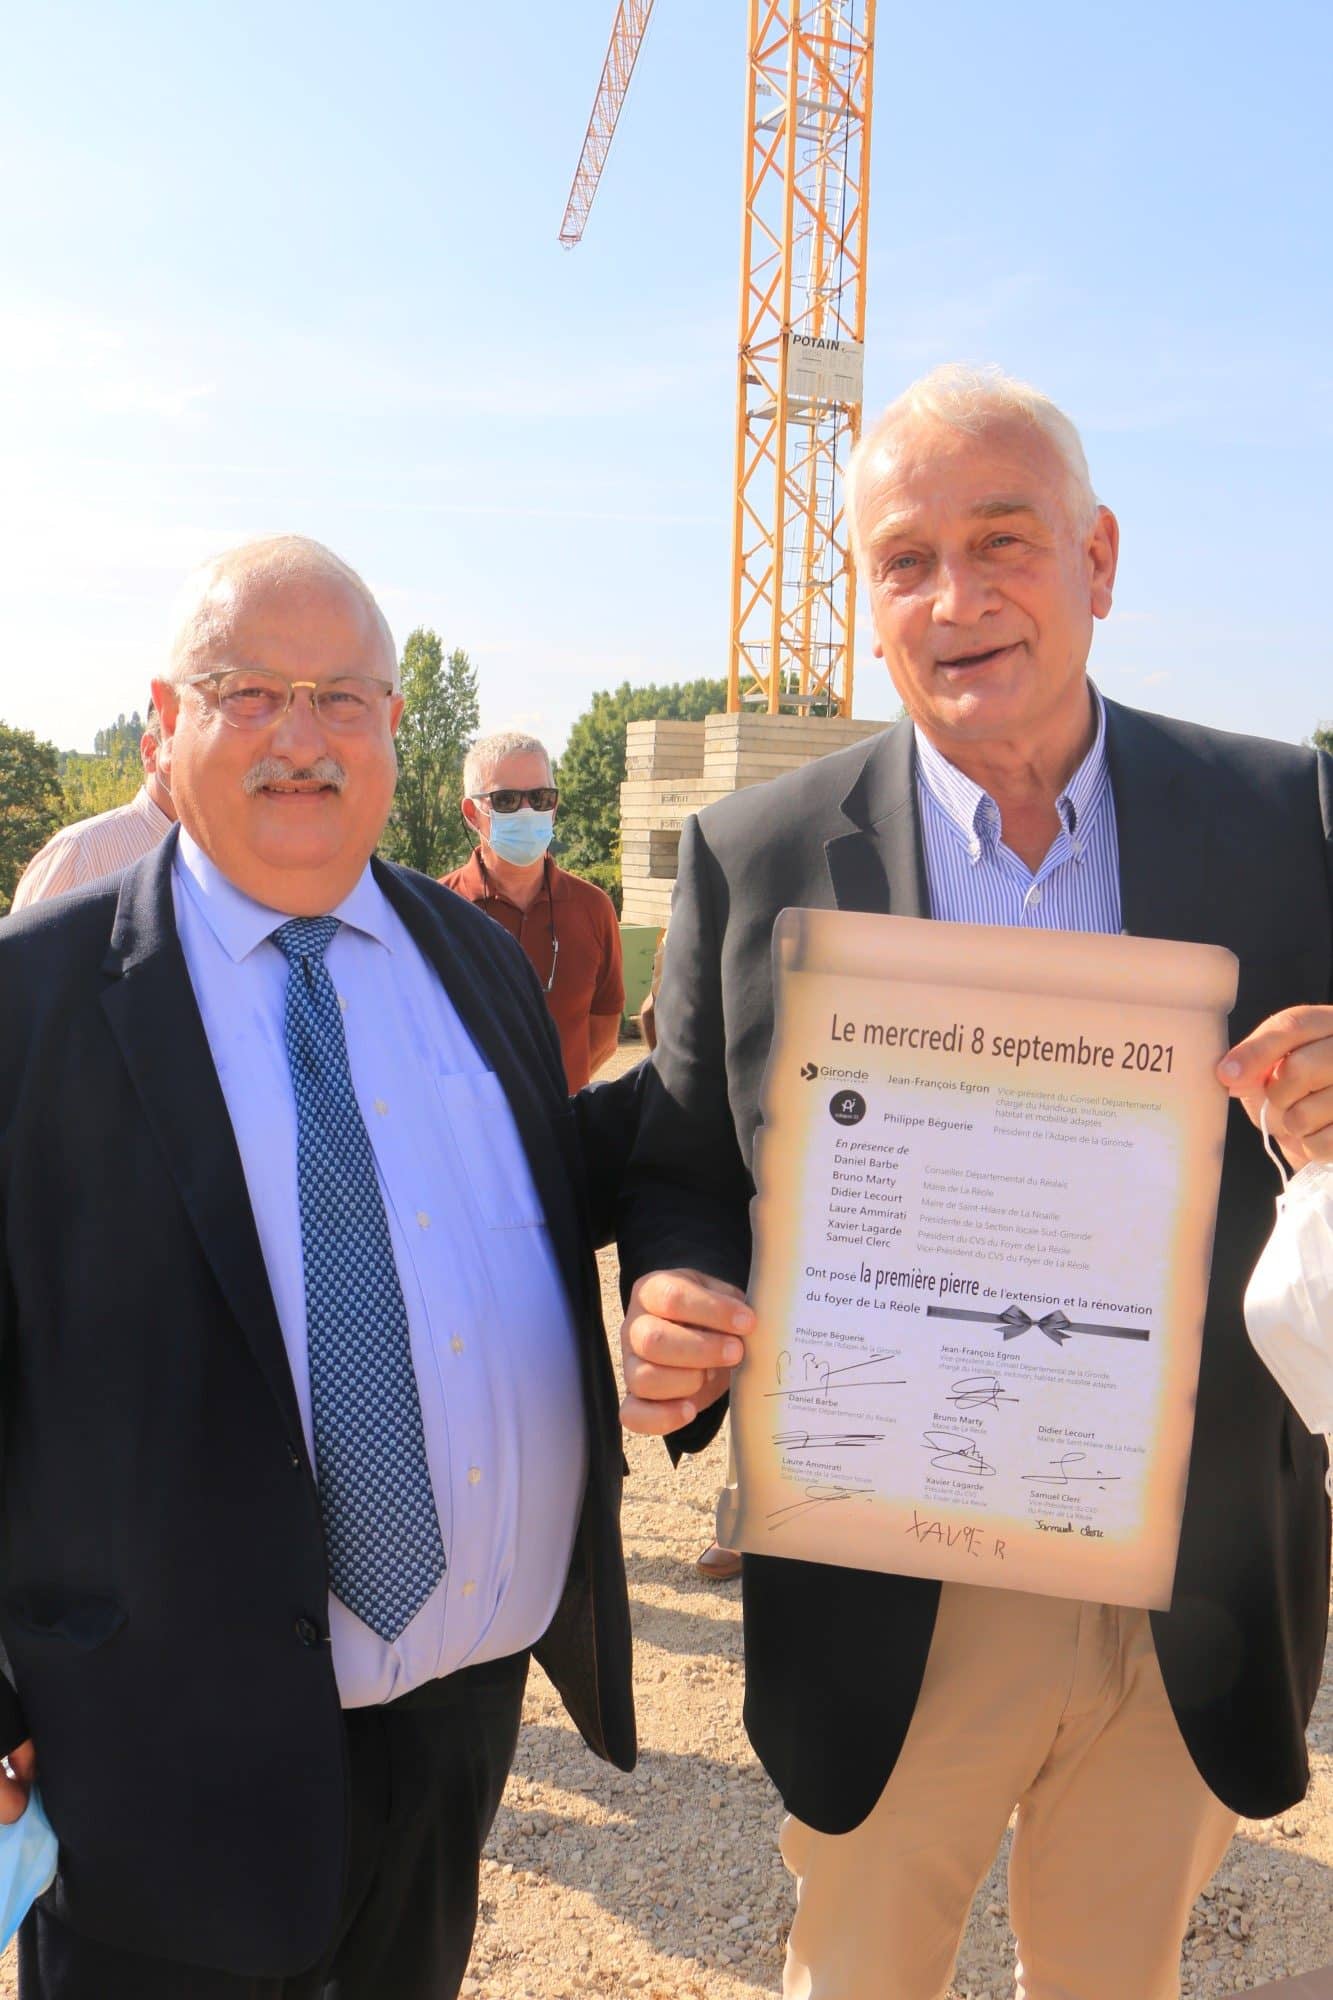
(974, 812)
(239, 923)
(552, 888)
(147, 807)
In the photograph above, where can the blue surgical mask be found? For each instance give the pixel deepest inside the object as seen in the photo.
(521, 837)
(27, 1865)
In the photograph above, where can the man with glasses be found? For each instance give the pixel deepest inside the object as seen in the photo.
(290, 1499)
(566, 926)
(901, 1720)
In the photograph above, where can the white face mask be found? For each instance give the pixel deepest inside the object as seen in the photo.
(1289, 1299)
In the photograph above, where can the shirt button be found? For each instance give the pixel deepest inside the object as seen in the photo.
(342, 1003)
(456, 1344)
(1034, 895)
(474, 1475)
(468, 1589)
(381, 1106)
(423, 1220)
(307, 1631)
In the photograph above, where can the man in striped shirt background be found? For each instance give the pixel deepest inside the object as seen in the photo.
(110, 841)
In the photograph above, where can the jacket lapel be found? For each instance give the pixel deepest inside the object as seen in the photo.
(880, 865)
(152, 1012)
(1172, 843)
(1171, 840)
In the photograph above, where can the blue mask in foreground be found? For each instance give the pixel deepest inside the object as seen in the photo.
(521, 837)
(27, 1865)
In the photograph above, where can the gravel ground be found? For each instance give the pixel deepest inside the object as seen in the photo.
(666, 1883)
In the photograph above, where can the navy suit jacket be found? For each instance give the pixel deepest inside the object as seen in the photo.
(163, 1595)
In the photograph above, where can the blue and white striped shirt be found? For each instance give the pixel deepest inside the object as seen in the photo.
(974, 878)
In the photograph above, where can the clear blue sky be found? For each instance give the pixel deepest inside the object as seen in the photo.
(287, 266)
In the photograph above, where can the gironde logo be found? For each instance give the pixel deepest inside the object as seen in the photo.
(809, 1071)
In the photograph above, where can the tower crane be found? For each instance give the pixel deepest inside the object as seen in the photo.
(804, 216)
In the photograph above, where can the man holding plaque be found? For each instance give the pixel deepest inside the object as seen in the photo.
(903, 1721)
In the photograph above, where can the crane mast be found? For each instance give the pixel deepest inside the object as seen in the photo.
(802, 326)
(627, 33)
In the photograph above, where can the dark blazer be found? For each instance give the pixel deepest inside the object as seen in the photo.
(1223, 840)
(163, 1595)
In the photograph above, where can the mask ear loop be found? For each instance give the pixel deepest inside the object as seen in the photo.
(1284, 1170)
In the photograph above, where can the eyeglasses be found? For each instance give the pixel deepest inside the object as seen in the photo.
(249, 698)
(542, 798)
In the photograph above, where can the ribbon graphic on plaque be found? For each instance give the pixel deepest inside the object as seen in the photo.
(987, 1182)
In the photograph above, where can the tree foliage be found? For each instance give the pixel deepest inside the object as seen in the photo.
(1322, 736)
(440, 719)
(120, 739)
(592, 769)
(110, 777)
(31, 804)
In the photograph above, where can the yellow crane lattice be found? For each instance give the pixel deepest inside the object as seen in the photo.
(805, 210)
(627, 33)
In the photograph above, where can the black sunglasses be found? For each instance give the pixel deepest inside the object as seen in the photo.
(542, 799)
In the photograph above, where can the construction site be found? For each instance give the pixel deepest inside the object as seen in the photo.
(791, 639)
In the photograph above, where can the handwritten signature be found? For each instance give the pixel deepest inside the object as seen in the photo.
(817, 1442)
(819, 1496)
(979, 1392)
(822, 1377)
(953, 1453)
(1061, 1475)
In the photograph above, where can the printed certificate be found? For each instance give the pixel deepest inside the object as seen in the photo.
(987, 1183)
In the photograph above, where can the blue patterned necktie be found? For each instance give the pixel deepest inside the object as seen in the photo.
(381, 1531)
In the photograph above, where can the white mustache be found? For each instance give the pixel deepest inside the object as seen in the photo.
(272, 771)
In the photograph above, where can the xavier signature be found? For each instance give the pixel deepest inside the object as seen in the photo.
(980, 1392)
(822, 1378)
(953, 1453)
(819, 1496)
(1062, 1476)
(818, 1442)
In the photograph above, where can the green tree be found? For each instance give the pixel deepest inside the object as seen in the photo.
(110, 776)
(31, 805)
(1322, 738)
(440, 718)
(120, 739)
(592, 769)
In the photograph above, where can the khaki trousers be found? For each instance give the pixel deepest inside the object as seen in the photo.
(1054, 1707)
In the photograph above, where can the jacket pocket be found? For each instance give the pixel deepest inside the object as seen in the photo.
(80, 1622)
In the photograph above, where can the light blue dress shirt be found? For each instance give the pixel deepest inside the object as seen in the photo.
(493, 1339)
(974, 878)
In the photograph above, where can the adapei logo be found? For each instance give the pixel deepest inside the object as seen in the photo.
(847, 1107)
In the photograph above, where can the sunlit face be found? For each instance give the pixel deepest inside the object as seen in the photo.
(983, 589)
(298, 834)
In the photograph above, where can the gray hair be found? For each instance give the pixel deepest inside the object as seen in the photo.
(488, 751)
(970, 399)
(212, 595)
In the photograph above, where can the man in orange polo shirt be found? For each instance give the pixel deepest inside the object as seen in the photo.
(567, 927)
